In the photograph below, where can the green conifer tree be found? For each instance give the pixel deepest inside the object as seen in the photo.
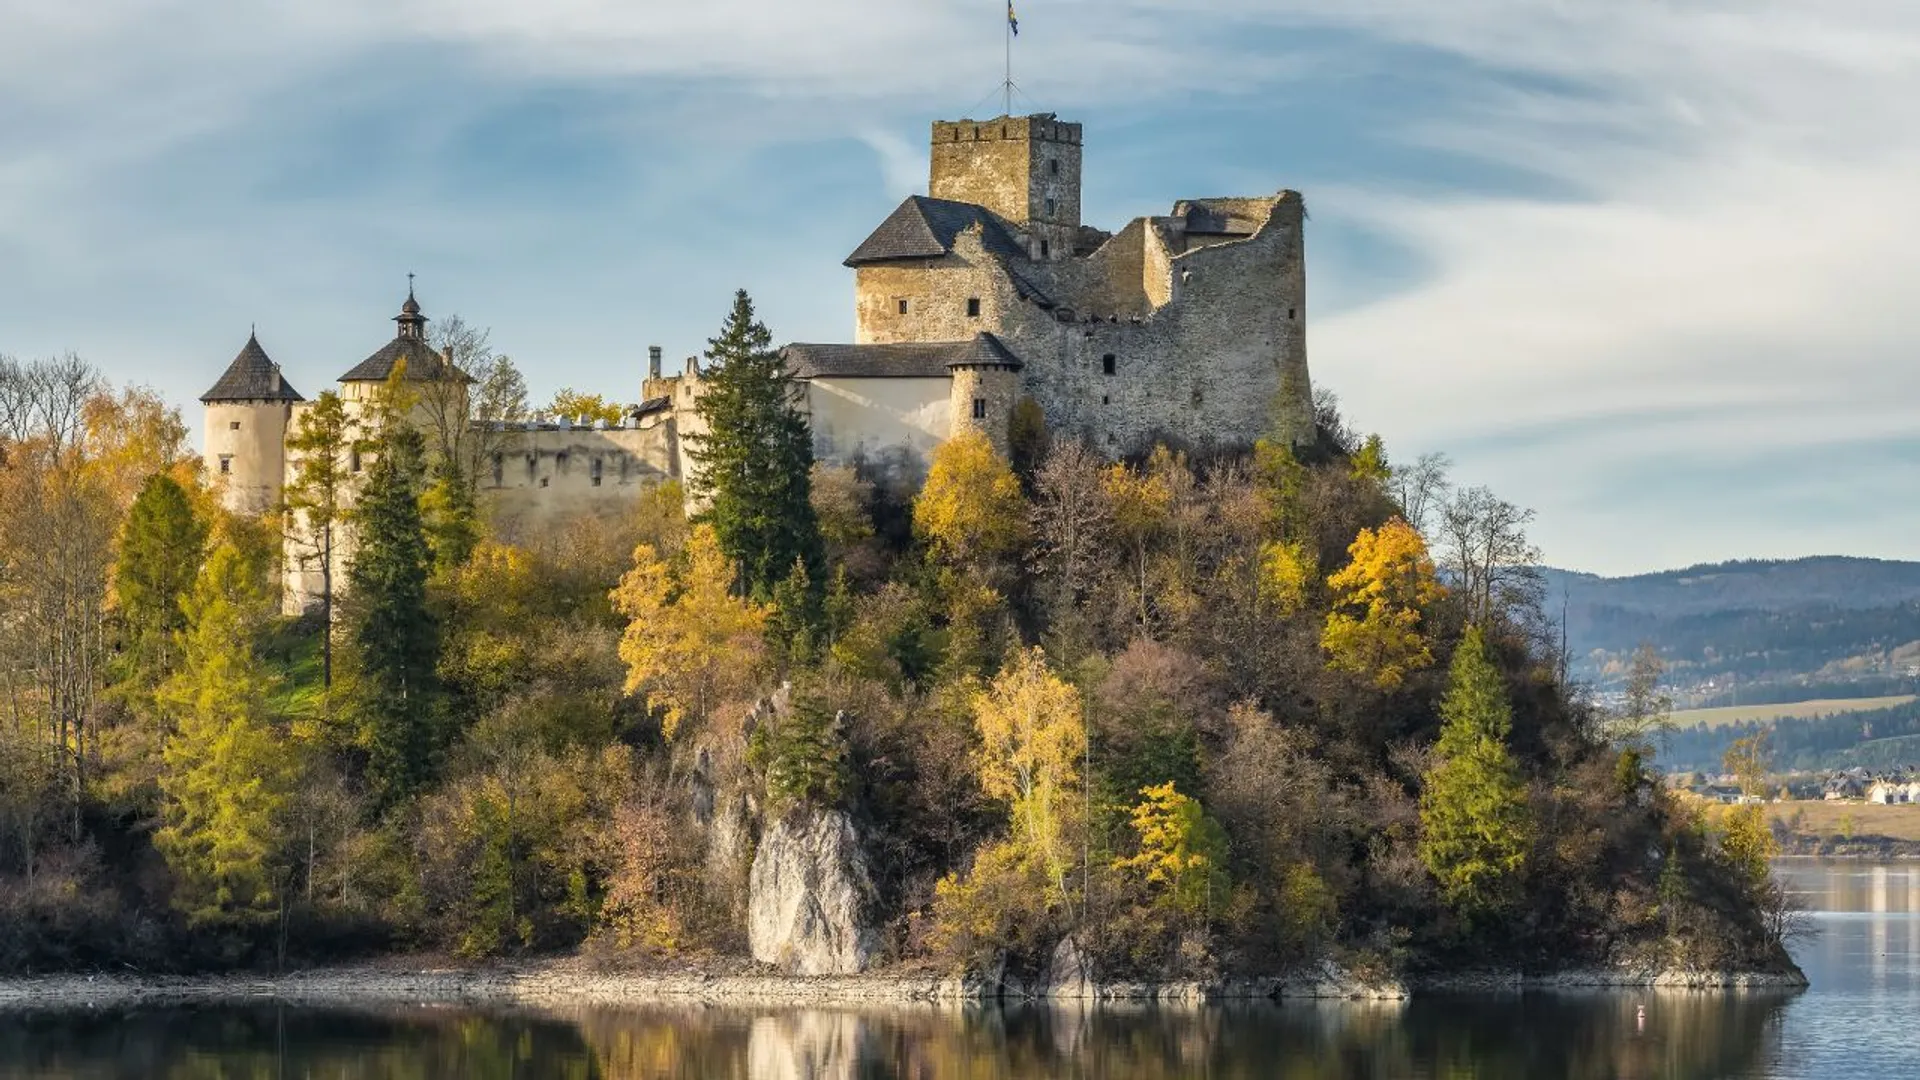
(451, 516)
(756, 458)
(1474, 820)
(228, 774)
(319, 449)
(395, 637)
(161, 548)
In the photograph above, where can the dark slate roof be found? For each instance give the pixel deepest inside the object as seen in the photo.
(904, 360)
(650, 406)
(422, 363)
(924, 228)
(253, 376)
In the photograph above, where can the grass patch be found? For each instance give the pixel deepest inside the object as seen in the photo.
(292, 649)
(1793, 710)
(1820, 818)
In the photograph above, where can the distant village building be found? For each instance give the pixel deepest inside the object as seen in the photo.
(1187, 328)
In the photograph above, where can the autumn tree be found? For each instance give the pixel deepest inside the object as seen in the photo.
(1182, 852)
(970, 511)
(690, 643)
(1375, 628)
(161, 546)
(755, 458)
(571, 404)
(1748, 759)
(228, 774)
(1033, 737)
(1494, 567)
(1475, 825)
(395, 636)
(1072, 526)
(1645, 709)
(316, 498)
(1421, 489)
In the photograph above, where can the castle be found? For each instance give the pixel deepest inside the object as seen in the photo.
(1186, 328)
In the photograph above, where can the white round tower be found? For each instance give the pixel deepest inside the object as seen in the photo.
(247, 415)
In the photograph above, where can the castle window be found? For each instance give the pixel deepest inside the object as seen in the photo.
(902, 302)
(1053, 166)
(979, 408)
(499, 468)
(533, 466)
(1289, 313)
(1108, 363)
(1049, 207)
(593, 472)
(226, 464)
(1105, 400)
(560, 462)
(973, 307)
(234, 426)
(1045, 252)
(353, 460)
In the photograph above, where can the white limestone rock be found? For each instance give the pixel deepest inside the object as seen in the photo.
(810, 898)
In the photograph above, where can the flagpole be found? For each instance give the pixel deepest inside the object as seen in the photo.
(1009, 83)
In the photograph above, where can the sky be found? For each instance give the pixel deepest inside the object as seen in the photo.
(1639, 265)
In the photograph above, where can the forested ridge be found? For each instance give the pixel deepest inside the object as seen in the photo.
(1201, 712)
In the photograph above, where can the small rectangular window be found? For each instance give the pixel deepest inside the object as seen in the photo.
(903, 306)
(499, 468)
(1108, 363)
(593, 472)
(1053, 166)
(1045, 250)
(973, 307)
(226, 464)
(353, 460)
(233, 425)
(979, 408)
(1049, 207)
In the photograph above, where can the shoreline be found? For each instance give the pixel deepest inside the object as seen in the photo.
(563, 983)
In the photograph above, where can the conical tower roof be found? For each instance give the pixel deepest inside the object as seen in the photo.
(253, 376)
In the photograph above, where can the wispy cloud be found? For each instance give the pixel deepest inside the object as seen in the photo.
(1629, 262)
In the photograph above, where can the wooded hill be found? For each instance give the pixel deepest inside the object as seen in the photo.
(1756, 630)
(1194, 713)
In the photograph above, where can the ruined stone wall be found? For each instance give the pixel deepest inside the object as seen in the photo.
(551, 474)
(1205, 369)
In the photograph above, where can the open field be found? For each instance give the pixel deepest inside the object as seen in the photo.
(1797, 710)
(1825, 818)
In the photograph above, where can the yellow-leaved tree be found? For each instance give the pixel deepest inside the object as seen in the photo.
(690, 644)
(1182, 851)
(574, 405)
(1033, 735)
(228, 774)
(970, 512)
(1379, 599)
(1287, 571)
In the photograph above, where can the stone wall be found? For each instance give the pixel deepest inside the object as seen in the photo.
(547, 475)
(995, 390)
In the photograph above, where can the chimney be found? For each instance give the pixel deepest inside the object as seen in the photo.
(653, 361)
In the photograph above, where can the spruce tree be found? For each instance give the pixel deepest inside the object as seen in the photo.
(395, 638)
(756, 458)
(1474, 821)
(161, 548)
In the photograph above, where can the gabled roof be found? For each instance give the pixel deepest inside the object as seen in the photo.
(423, 363)
(924, 228)
(902, 360)
(253, 376)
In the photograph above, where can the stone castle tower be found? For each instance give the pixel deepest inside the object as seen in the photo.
(248, 413)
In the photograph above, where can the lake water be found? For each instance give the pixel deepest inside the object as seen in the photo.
(1860, 1021)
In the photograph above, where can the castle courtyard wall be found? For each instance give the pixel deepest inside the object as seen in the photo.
(856, 419)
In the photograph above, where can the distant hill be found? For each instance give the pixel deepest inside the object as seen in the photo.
(1747, 631)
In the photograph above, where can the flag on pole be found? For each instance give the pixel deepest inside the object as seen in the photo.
(1013, 21)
